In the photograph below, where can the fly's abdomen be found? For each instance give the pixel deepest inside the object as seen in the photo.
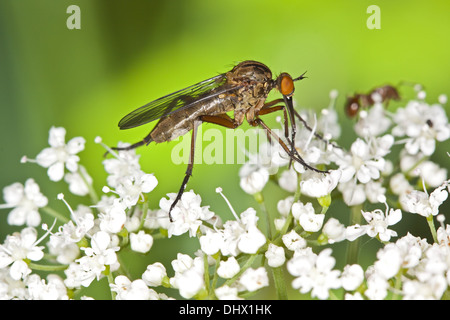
(181, 122)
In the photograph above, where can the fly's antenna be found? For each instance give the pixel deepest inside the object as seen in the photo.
(301, 77)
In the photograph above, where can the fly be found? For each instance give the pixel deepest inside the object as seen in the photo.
(243, 90)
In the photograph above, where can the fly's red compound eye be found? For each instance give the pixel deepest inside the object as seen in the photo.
(286, 85)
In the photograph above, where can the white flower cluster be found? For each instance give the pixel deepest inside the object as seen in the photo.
(239, 257)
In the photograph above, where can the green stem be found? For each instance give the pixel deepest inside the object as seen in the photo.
(289, 217)
(110, 278)
(286, 225)
(49, 268)
(144, 215)
(123, 269)
(353, 246)
(247, 265)
(324, 210)
(125, 235)
(398, 285)
(430, 221)
(55, 214)
(446, 295)
(298, 192)
(260, 199)
(280, 284)
(215, 277)
(333, 296)
(206, 274)
(92, 193)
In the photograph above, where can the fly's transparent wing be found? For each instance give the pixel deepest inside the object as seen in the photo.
(181, 99)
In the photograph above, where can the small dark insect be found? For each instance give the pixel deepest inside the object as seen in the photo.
(243, 90)
(359, 101)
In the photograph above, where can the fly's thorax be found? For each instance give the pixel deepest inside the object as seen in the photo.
(251, 97)
(249, 72)
(255, 80)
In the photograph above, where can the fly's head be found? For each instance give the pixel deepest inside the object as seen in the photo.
(285, 84)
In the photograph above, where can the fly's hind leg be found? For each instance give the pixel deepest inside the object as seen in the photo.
(293, 154)
(222, 120)
(269, 108)
(188, 173)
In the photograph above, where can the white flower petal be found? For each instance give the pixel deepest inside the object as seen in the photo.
(251, 241)
(253, 280)
(149, 182)
(311, 222)
(100, 241)
(154, 274)
(352, 277)
(19, 269)
(141, 242)
(56, 171)
(5, 259)
(393, 217)
(56, 137)
(76, 145)
(72, 163)
(13, 193)
(47, 157)
(229, 268)
(275, 256)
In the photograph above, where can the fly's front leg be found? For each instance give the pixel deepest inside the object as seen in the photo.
(292, 153)
(188, 173)
(266, 109)
(314, 132)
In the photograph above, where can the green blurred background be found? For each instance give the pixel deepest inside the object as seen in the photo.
(128, 53)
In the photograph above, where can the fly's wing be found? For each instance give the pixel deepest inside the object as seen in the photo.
(181, 99)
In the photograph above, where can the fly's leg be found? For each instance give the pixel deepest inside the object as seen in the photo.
(188, 173)
(267, 109)
(319, 136)
(226, 121)
(292, 153)
(222, 120)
